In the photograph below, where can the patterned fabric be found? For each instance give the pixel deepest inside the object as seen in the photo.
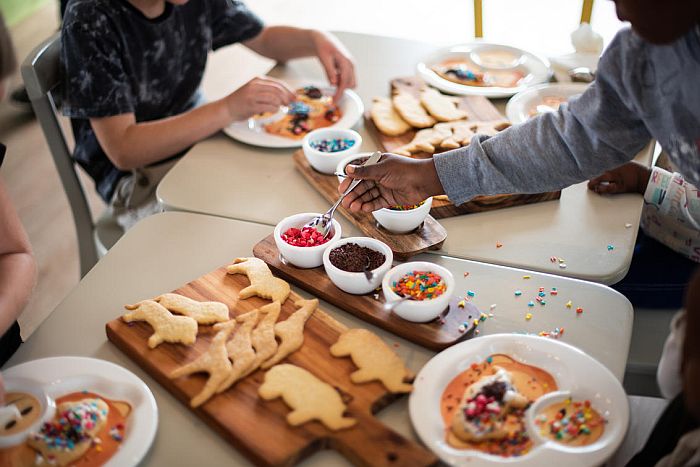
(671, 213)
(642, 91)
(117, 61)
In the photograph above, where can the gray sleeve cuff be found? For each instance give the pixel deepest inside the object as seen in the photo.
(454, 168)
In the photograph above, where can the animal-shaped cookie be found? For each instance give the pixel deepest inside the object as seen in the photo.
(410, 109)
(263, 336)
(202, 312)
(166, 326)
(214, 361)
(375, 360)
(443, 108)
(262, 282)
(240, 348)
(386, 119)
(291, 331)
(462, 134)
(309, 397)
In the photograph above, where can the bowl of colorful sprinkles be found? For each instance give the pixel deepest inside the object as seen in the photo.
(403, 219)
(325, 147)
(346, 261)
(303, 246)
(424, 289)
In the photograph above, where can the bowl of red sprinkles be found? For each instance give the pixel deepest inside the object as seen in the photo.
(346, 261)
(303, 246)
(424, 288)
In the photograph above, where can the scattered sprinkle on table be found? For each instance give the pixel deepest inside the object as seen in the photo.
(518, 293)
(466, 274)
(526, 277)
(493, 307)
(562, 266)
(611, 247)
(568, 304)
(332, 145)
(627, 226)
(470, 293)
(530, 303)
(499, 244)
(461, 304)
(528, 316)
(553, 259)
(420, 285)
(579, 310)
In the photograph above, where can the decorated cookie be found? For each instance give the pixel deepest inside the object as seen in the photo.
(375, 360)
(309, 397)
(240, 348)
(291, 331)
(386, 119)
(202, 312)
(263, 336)
(262, 282)
(214, 361)
(166, 326)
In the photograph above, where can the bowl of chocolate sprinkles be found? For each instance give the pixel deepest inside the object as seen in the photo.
(347, 260)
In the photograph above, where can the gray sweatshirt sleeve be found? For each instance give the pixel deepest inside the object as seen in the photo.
(598, 131)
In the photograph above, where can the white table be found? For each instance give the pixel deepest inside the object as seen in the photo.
(167, 250)
(225, 178)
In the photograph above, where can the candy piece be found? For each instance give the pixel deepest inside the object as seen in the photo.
(470, 293)
(499, 244)
(304, 237)
(562, 266)
(420, 285)
(579, 310)
(526, 277)
(530, 303)
(528, 316)
(568, 304)
(518, 293)
(611, 247)
(332, 145)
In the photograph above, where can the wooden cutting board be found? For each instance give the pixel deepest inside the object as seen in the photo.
(429, 236)
(258, 428)
(435, 335)
(478, 108)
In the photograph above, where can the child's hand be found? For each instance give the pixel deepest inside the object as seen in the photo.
(628, 178)
(336, 61)
(396, 180)
(258, 95)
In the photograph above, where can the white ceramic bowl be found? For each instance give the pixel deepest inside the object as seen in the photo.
(356, 282)
(340, 168)
(403, 221)
(413, 310)
(308, 256)
(326, 162)
(46, 404)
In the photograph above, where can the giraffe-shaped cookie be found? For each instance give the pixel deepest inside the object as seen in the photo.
(309, 397)
(375, 360)
(166, 326)
(214, 361)
(291, 331)
(263, 336)
(262, 282)
(240, 349)
(202, 312)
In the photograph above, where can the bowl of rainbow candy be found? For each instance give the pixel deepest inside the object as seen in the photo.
(423, 288)
(403, 219)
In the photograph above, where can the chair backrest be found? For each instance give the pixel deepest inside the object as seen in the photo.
(586, 12)
(41, 75)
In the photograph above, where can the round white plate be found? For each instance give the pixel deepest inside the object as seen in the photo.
(63, 375)
(572, 369)
(519, 106)
(535, 68)
(248, 132)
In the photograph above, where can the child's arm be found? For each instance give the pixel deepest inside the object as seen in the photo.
(17, 266)
(283, 43)
(130, 144)
(598, 131)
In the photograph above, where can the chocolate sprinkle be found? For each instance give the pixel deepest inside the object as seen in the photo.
(352, 257)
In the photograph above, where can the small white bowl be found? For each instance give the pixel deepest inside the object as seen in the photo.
(356, 282)
(326, 162)
(340, 169)
(403, 221)
(414, 310)
(303, 256)
(46, 404)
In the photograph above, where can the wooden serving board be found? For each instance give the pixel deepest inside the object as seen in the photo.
(258, 428)
(478, 108)
(435, 335)
(429, 236)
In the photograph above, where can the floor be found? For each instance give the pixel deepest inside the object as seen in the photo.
(34, 185)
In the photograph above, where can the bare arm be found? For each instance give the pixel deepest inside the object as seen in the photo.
(17, 266)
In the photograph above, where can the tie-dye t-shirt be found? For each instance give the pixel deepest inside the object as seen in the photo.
(116, 61)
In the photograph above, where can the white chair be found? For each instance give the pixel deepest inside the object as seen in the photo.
(41, 75)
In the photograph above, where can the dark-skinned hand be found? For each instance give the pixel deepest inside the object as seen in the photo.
(628, 178)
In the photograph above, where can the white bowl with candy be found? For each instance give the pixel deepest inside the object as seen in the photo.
(303, 247)
(325, 147)
(424, 287)
(347, 259)
(403, 219)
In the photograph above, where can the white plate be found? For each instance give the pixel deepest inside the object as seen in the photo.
(572, 369)
(519, 106)
(247, 132)
(536, 69)
(63, 375)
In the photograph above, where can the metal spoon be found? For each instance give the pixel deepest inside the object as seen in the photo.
(322, 223)
(369, 275)
(389, 306)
